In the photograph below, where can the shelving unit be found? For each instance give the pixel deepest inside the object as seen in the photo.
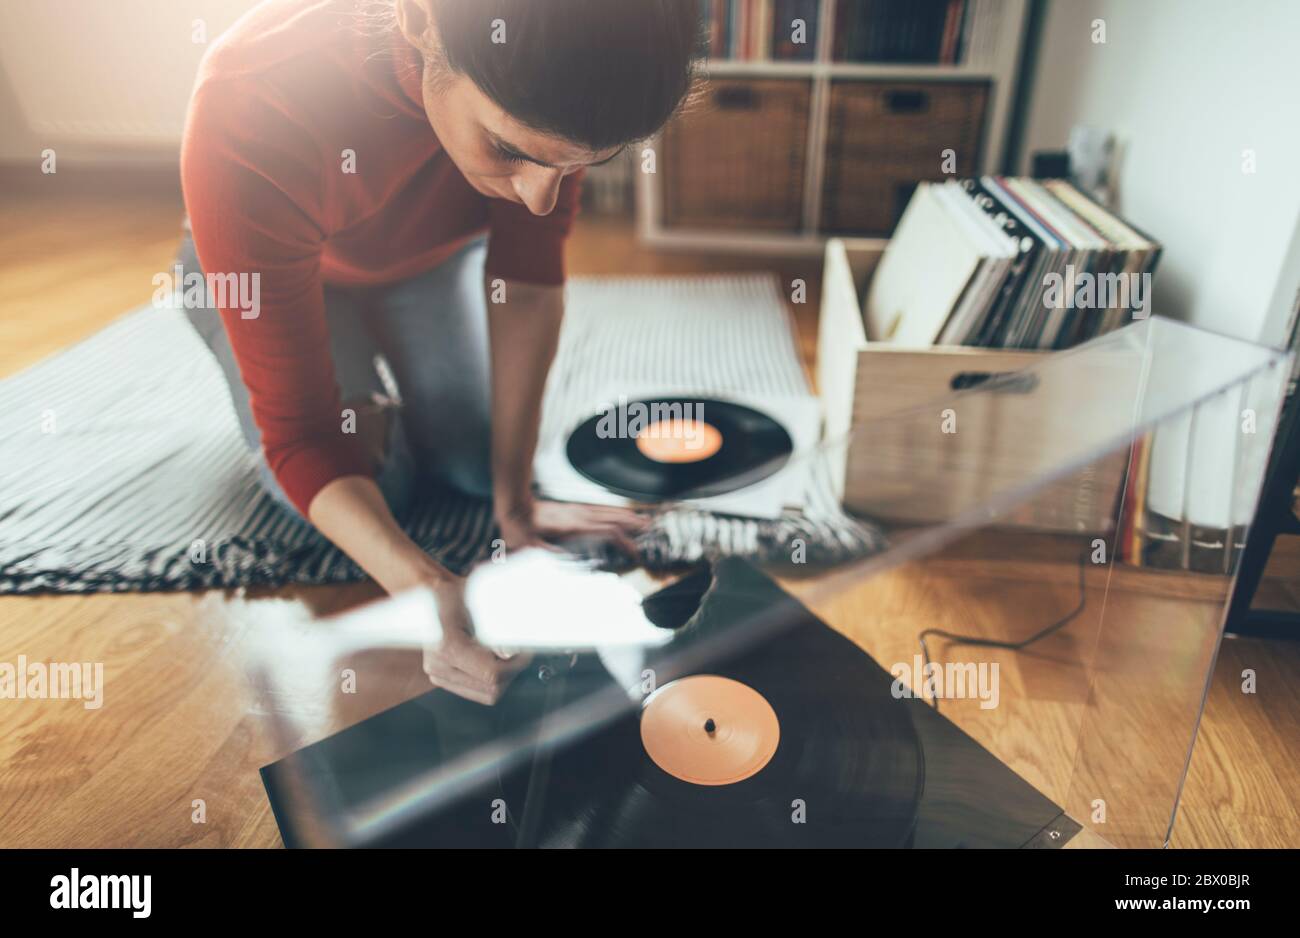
(1002, 23)
(1278, 515)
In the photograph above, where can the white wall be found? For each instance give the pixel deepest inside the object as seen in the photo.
(103, 80)
(16, 143)
(1186, 86)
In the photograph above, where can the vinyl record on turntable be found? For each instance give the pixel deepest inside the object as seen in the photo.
(844, 777)
(653, 450)
(767, 749)
(854, 765)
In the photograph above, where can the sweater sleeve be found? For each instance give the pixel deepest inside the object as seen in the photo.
(252, 184)
(527, 247)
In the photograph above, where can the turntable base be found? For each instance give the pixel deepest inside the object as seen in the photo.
(853, 766)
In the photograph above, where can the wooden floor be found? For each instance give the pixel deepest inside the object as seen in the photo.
(180, 724)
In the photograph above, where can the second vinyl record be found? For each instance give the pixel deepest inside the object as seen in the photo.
(668, 448)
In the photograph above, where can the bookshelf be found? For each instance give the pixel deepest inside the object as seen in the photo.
(992, 56)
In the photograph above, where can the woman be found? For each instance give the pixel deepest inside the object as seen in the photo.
(353, 155)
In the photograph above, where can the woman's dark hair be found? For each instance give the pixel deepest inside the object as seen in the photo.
(599, 73)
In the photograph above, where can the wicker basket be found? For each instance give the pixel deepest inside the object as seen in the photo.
(885, 137)
(737, 160)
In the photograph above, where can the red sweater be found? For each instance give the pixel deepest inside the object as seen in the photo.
(279, 98)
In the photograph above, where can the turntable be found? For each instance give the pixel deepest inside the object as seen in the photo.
(742, 706)
(797, 741)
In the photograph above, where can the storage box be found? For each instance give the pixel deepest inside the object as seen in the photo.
(863, 382)
(737, 159)
(885, 136)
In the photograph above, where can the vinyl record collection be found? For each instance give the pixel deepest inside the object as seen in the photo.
(1002, 262)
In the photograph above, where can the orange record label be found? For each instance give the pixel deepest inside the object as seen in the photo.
(679, 441)
(709, 730)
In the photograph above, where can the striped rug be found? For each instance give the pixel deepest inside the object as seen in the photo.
(123, 467)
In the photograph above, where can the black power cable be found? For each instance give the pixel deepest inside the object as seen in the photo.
(957, 639)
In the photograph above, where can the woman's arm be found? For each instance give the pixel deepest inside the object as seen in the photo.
(523, 333)
(351, 512)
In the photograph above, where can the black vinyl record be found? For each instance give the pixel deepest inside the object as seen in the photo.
(848, 777)
(752, 447)
(869, 768)
(848, 770)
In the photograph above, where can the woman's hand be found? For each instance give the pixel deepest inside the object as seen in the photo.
(540, 523)
(458, 663)
(523, 334)
(351, 512)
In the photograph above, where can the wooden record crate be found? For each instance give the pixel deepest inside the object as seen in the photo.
(736, 159)
(890, 472)
(885, 136)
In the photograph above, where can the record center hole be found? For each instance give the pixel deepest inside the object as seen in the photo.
(679, 441)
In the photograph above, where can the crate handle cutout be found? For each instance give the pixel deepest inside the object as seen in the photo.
(907, 102)
(1008, 382)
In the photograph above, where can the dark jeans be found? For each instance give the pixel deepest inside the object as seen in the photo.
(431, 330)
